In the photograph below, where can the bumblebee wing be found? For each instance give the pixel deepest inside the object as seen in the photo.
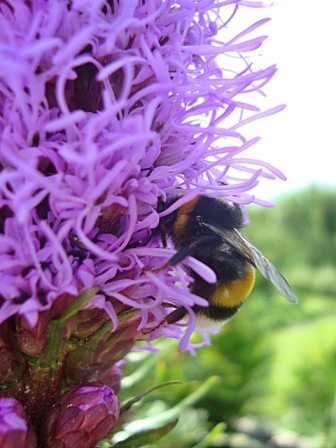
(240, 244)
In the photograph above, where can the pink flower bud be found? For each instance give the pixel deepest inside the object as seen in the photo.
(11, 366)
(113, 379)
(83, 416)
(85, 364)
(15, 430)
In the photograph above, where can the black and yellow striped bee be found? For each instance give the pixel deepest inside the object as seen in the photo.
(208, 229)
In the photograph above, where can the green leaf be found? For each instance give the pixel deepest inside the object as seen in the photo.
(174, 412)
(128, 404)
(146, 437)
(210, 438)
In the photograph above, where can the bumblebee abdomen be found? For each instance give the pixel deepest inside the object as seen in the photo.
(230, 295)
(225, 297)
(206, 316)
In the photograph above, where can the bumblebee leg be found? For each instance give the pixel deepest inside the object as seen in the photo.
(164, 239)
(177, 258)
(184, 252)
(172, 318)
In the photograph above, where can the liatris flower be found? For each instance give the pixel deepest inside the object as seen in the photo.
(106, 108)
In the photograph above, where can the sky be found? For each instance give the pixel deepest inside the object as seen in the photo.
(300, 140)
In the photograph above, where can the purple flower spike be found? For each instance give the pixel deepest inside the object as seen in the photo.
(106, 109)
(82, 417)
(15, 431)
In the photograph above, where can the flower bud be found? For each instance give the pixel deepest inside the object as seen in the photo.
(12, 363)
(32, 340)
(89, 321)
(83, 416)
(85, 365)
(113, 379)
(11, 366)
(15, 431)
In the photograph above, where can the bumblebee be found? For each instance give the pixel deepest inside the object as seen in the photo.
(208, 229)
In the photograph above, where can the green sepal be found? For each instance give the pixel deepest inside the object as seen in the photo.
(49, 356)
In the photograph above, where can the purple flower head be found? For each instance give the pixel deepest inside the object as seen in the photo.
(107, 108)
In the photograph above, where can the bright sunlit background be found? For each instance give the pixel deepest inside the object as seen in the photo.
(300, 140)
